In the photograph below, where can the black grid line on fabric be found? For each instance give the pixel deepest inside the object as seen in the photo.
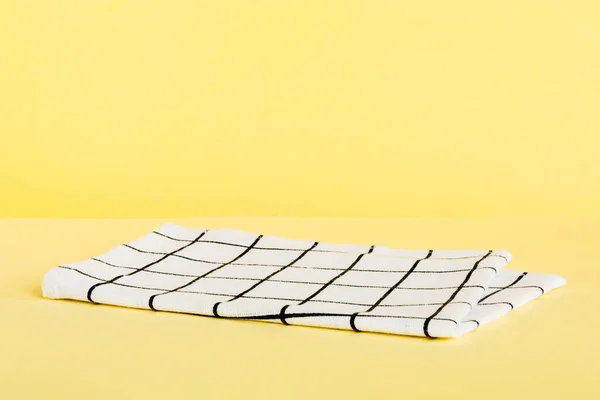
(323, 314)
(285, 281)
(331, 281)
(93, 287)
(243, 245)
(499, 290)
(520, 287)
(453, 296)
(278, 298)
(305, 252)
(288, 281)
(276, 265)
(315, 250)
(243, 253)
(497, 303)
(388, 292)
(140, 250)
(170, 237)
(277, 316)
(292, 266)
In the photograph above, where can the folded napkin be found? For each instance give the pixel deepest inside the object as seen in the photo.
(233, 274)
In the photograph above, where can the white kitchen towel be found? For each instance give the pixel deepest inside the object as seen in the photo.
(233, 274)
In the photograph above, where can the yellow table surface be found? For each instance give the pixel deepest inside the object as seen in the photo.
(71, 350)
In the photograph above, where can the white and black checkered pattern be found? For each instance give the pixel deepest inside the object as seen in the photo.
(233, 274)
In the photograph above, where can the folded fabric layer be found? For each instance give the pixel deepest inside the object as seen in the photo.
(233, 274)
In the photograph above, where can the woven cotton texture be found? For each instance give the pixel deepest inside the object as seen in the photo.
(233, 274)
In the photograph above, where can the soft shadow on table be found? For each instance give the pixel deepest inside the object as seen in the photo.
(34, 289)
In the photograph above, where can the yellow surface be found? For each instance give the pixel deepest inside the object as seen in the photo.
(53, 349)
(329, 108)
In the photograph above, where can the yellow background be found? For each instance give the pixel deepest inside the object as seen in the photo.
(309, 108)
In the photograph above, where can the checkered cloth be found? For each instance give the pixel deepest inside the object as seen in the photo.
(233, 274)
